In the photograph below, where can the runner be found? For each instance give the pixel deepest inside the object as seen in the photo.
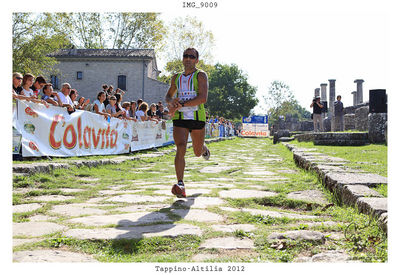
(188, 114)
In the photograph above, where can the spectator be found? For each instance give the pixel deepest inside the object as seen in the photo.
(119, 91)
(338, 105)
(105, 87)
(27, 82)
(73, 94)
(17, 81)
(132, 110)
(110, 90)
(118, 104)
(98, 105)
(38, 85)
(111, 108)
(317, 110)
(126, 108)
(63, 98)
(141, 113)
(83, 104)
(49, 95)
(152, 112)
(160, 112)
(139, 101)
(159, 104)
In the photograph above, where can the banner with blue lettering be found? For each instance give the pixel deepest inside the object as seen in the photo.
(255, 119)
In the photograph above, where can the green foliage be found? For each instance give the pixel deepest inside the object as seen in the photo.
(281, 102)
(35, 35)
(175, 66)
(188, 32)
(230, 95)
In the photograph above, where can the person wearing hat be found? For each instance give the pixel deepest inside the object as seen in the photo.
(317, 117)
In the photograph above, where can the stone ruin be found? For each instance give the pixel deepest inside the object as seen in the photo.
(356, 117)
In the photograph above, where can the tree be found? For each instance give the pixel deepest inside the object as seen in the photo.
(32, 41)
(230, 95)
(126, 30)
(281, 102)
(176, 66)
(186, 33)
(35, 35)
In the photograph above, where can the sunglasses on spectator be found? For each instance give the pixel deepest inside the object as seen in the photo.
(19, 78)
(191, 56)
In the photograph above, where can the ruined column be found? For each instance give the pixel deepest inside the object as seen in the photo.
(354, 93)
(323, 91)
(324, 101)
(359, 90)
(331, 113)
(316, 92)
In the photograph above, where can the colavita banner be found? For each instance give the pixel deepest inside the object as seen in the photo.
(51, 131)
(255, 126)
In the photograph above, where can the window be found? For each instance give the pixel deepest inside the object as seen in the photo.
(54, 81)
(122, 82)
(79, 75)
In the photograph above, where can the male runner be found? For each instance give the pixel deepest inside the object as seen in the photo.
(188, 113)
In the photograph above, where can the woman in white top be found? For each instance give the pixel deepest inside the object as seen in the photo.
(98, 105)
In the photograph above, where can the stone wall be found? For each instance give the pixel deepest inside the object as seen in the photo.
(377, 127)
(97, 72)
(349, 121)
(361, 118)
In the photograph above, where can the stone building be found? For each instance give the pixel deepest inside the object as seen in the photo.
(132, 70)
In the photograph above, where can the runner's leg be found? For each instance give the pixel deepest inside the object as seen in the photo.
(180, 138)
(198, 141)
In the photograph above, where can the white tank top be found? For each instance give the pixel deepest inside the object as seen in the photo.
(186, 92)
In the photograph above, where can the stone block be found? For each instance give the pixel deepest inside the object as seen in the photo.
(349, 121)
(302, 235)
(350, 193)
(336, 180)
(374, 206)
(361, 118)
(377, 127)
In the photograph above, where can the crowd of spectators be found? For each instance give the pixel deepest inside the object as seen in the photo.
(109, 102)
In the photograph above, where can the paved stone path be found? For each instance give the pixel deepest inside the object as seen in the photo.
(234, 205)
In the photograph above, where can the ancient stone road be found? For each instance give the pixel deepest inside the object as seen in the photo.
(247, 203)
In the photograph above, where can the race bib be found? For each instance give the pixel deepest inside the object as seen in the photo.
(186, 96)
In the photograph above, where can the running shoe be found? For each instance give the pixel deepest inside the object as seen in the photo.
(179, 190)
(206, 154)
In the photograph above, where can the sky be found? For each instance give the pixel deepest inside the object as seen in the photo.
(302, 50)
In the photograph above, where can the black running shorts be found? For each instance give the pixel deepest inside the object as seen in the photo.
(189, 124)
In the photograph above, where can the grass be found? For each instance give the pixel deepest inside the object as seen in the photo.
(365, 240)
(371, 158)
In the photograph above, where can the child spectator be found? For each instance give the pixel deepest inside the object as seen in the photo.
(83, 104)
(126, 108)
(111, 108)
(38, 85)
(98, 105)
(73, 94)
(132, 110)
(49, 96)
(27, 82)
